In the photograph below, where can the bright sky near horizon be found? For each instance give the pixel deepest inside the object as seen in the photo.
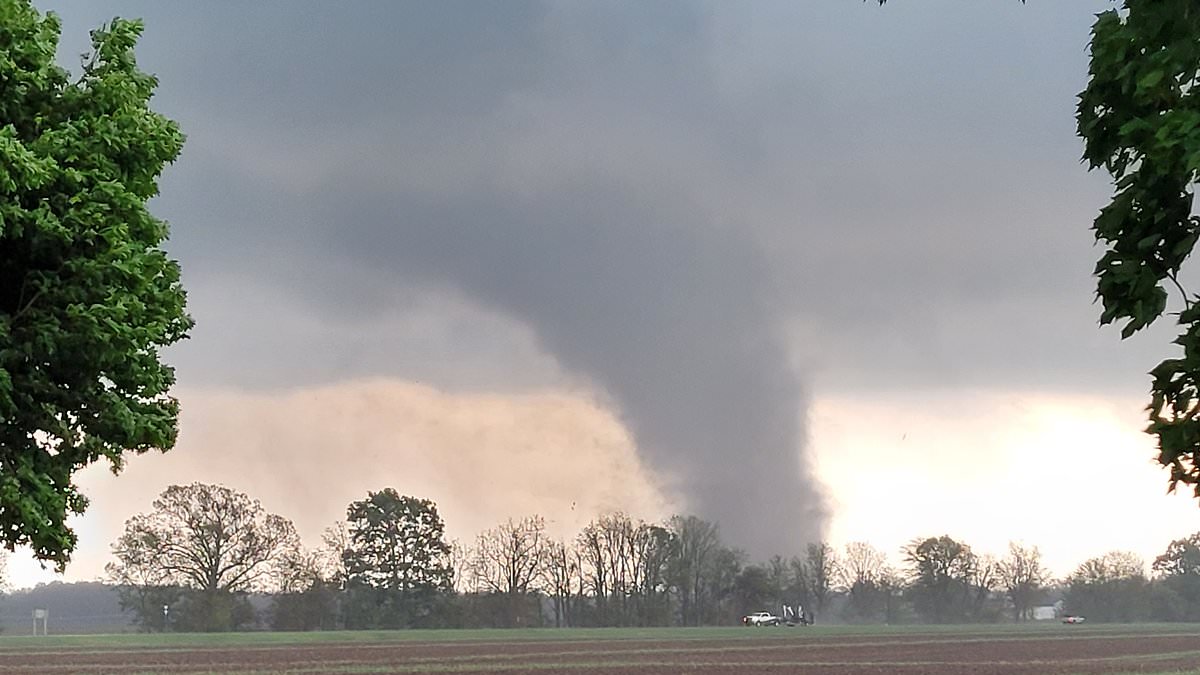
(777, 262)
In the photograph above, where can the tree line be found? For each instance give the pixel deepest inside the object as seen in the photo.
(196, 560)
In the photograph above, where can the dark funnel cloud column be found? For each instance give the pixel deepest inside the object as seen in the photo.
(675, 325)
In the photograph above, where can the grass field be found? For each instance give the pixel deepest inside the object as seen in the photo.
(835, 650)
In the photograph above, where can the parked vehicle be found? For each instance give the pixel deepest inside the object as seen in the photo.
(1073, 619)
(761, 619)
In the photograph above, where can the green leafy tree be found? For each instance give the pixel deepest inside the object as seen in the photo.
(941, 575)
(1140, 119)
(891, 586)
(1182, 558)
(754, 590)
(1178, 569)
(695, 558)
(397, 562)
(721, 580)
(87, 296)
(1110, 588)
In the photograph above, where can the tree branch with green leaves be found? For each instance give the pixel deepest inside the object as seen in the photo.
(1139, 118)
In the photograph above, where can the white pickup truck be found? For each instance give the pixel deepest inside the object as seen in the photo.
(761, 619)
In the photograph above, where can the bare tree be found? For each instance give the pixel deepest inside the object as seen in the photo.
(460, 568)
(985, 578)
(616, 532)
(330, 556)
(1022, 577)
(563, 580)
(298, 570)
(612, 568)
(860, 573)
(798, 589)
(651, 549)
(144, 589)
(594, 567)
(509, 559)
(861, 563)
(305, 597)
(822, 570)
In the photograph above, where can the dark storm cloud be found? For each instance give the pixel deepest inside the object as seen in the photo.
(535, 162)
(677, 201)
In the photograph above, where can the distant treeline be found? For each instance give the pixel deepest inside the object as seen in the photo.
(207, 558)
(84, 607)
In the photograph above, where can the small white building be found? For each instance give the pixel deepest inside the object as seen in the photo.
(1048, 612)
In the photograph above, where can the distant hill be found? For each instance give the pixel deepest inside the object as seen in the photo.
(83, 607)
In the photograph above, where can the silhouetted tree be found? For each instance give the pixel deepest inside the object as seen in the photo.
(1110, 588)
(651, 550)
(210, 539)
(721, 586)
(1022, 577)
(563, 581)
(821, 572)
(625, 565)
(797, 590)
(941, 571)
(330, 556)
(1179, 576)
(307, 599)
(697, 546)
(397, 563)
(891, 586)
(509, 560)
(753, 590)
(860, 575)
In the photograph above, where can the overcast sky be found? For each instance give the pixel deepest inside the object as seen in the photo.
(811, 269)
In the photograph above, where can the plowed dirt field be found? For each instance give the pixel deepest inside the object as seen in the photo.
(830, 651)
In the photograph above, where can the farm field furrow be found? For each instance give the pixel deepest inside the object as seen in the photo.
(826, 650)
